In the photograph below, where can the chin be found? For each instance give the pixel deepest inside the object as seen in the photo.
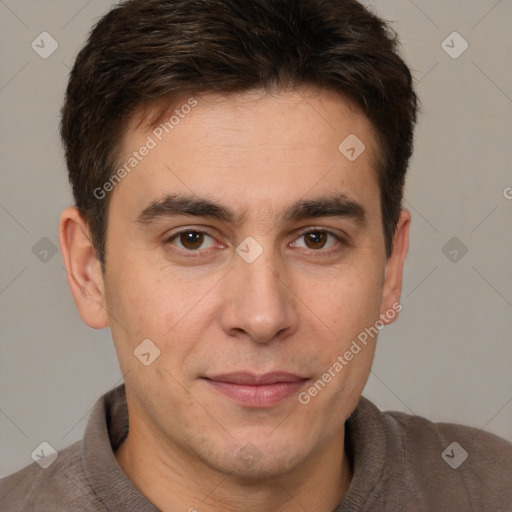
(256, 463)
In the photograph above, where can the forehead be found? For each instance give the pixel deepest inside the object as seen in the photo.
(250, 148)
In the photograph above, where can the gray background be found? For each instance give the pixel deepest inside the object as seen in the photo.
(449, 355)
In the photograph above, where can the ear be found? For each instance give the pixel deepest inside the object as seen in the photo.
(83, 268)
(392, 288)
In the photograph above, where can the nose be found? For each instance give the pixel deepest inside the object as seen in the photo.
(258, 304)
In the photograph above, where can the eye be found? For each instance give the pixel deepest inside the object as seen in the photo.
(192, 240)
(317, 239)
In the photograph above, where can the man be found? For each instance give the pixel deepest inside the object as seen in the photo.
(238, 170)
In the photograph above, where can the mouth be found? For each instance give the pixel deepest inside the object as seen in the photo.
(257, 391)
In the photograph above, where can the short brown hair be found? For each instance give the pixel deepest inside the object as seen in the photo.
(145, 51)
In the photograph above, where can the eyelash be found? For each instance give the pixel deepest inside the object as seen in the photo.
(317, 252)
(340, 241)
(189, 253)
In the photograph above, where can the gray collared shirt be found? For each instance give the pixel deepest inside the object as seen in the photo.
(399, 463)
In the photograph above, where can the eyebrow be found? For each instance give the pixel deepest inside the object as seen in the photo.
(331, 206)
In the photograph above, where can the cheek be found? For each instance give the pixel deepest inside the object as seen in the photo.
(170, 310)
(147, 300)
(350, 309)
(347, 300)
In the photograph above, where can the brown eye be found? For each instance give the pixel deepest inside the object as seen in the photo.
(315, 239)
(192, 240)
(318, 240)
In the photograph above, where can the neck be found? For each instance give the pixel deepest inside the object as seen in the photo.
(174, 480)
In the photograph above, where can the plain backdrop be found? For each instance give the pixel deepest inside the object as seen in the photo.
(449, 355)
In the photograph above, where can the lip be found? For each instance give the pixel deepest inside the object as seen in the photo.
(257, 391)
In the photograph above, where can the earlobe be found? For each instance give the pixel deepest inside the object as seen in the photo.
(392, 288)
(83, 268)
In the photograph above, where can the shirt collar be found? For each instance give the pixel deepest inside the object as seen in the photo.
(107, 427)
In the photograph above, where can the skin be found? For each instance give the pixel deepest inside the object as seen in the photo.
(296, 308)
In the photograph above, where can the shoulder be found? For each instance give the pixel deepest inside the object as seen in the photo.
(473, 465)
(481, 447)
(62, 485)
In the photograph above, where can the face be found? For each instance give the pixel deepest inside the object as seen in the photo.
(249, 249)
